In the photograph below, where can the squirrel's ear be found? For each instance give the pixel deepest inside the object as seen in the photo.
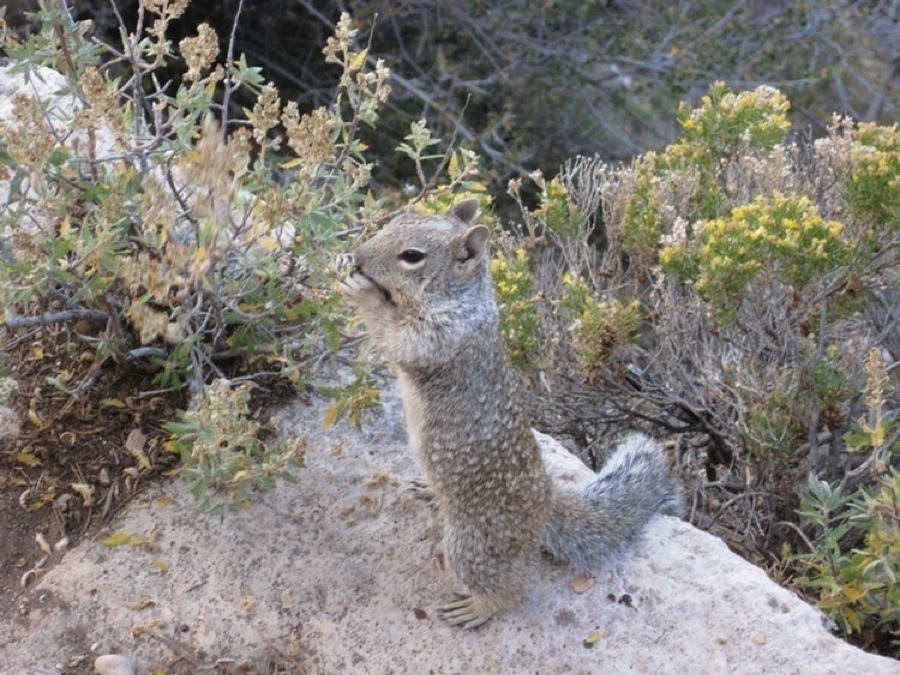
(475, 241)
(465, 210)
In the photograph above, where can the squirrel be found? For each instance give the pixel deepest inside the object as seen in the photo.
(423, 287)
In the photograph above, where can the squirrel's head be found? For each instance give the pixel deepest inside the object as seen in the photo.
(422, 278)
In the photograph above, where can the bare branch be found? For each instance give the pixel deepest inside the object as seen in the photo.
(229, 70)
(16, 322)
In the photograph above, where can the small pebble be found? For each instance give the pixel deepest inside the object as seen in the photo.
(113, 664)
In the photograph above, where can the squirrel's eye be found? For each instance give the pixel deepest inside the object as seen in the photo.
(412, 255)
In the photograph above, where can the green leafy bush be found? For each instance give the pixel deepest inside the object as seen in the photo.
(689, 180)
(726, 122)
(519, 324)
(598, 326)
(183, 233)
(168, 232)
(780, 238)
(223, 459)
(872, 188)
(853, 566)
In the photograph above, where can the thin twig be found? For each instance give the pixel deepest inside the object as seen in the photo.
(229, 66)
(145, 352)
(15, 322)
(438, 172)
(796, 529)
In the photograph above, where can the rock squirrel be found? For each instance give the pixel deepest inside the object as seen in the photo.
(423, 287)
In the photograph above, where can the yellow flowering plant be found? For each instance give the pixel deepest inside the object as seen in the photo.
(781, 234)
(691, 173)
(519, 322)
(725, 291)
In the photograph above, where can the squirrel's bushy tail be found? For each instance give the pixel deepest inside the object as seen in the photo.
(588, 527)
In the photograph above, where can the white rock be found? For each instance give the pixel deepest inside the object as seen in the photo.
(9, 426)
(44, 85)
(113, 664)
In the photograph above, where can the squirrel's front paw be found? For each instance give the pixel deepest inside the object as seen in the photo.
(351, 281)
(468, 611)
(354, 284)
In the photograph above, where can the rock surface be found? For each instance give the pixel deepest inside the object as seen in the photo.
(336, 574)
(9, 425)
(113, 664)
(40, 91)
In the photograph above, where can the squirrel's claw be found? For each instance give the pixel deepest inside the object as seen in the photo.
(467, 611)
(420, 489)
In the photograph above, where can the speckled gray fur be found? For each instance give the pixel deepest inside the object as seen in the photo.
(423, 287)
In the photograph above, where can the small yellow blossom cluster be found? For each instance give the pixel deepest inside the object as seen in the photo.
(865, 159)
(519, 322)
(692, 180)
(557, 212)
(874, 185)
(783, 234)
(443, 200)
(577, 295)
(882, 138)
(756, 118)
(599, 326)
(642, 225)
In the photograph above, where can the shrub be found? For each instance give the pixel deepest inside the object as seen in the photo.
(598, 326)
(689, 180)
(853, 566)
(170, 234)
(183, 234)
(728, 294)
(519, 323)
(556, 210)
(726, 122)
(223, 459)
(780, 237)
(872, 185)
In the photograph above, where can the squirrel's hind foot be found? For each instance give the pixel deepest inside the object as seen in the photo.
(468, 611)
(420, 489)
